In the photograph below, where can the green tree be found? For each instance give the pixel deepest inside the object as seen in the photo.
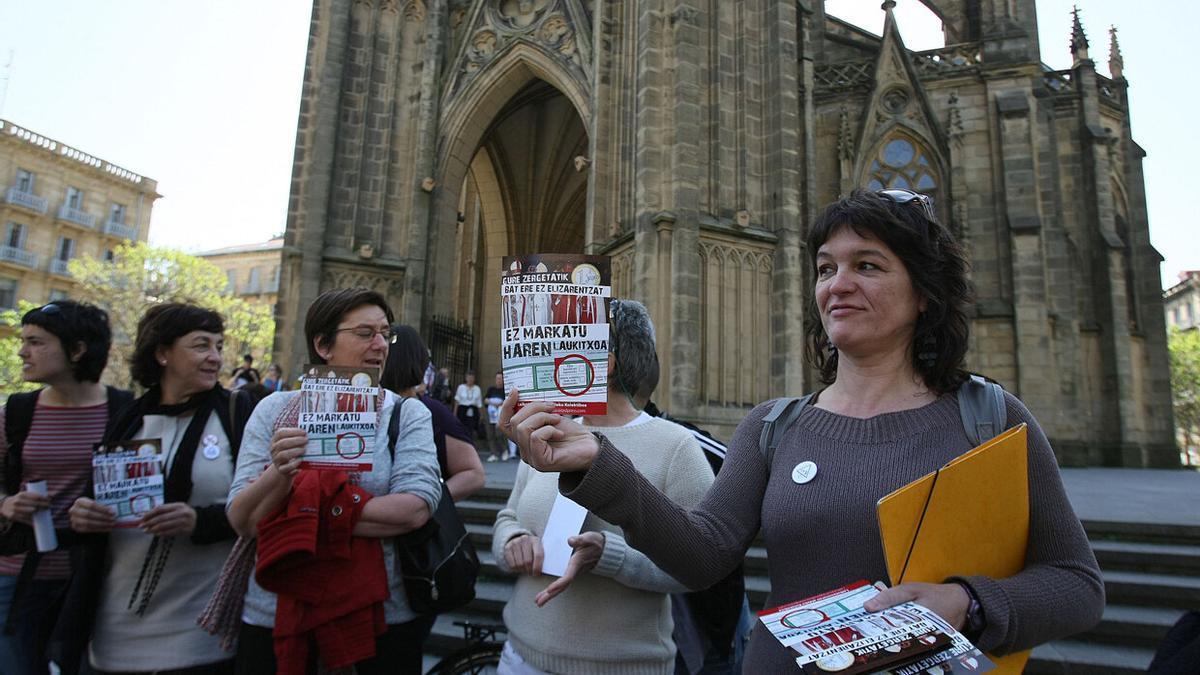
(140, 275)
(10, 343)
(1184, 347)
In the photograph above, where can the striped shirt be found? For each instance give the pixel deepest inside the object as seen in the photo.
(58, 450)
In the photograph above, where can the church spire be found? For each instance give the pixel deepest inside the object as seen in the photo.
(1116, 64)
(1079, 41)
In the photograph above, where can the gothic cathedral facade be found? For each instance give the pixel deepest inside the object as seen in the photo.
(693, 141)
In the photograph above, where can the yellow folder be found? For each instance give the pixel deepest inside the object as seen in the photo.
(968, 517)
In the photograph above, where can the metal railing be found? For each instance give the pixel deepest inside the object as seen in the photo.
(76, 216)
(15, 195)
(122, 230)
(18, 256)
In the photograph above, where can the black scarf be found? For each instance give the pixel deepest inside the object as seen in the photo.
(178, 484)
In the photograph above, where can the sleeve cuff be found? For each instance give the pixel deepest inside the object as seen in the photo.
(212, 525)
(613, 556)
(994, 604)
(607, 478)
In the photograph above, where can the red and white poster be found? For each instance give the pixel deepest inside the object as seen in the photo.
(554, 330)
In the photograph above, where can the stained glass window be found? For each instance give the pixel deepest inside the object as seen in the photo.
(903, 163)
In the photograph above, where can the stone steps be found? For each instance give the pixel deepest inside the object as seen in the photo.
(1151, 574)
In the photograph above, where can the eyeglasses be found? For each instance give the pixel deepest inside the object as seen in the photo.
(902, 196)
(366, 333)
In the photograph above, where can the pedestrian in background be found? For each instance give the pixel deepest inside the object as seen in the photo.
(497, 441)
(468, 399)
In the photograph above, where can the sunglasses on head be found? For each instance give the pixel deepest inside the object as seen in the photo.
(902, 196)
(50, 309)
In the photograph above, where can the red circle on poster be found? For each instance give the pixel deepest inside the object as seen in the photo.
(350, 454)
(558, 363)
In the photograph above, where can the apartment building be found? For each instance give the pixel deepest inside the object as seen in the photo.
(252, 270)
(57, 203)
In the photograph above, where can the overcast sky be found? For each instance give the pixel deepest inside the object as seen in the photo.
(203, 97)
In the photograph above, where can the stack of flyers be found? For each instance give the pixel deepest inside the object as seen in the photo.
(129, 478)
(833, 633)
(338, 410)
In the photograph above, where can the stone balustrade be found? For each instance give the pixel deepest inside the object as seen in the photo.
(18, 256)
(76, 216)
(118, 229)
(19, 197)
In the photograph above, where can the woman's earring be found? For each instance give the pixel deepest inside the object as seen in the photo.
(830, 347)
(927, 351)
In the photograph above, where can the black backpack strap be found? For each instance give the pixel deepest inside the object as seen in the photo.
(981, 405)
(18, 418)
(394, 425)
(782, 415)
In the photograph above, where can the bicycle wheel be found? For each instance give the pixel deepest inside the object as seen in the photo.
(480, 659)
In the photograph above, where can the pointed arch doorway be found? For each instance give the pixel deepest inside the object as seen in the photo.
(524, 190)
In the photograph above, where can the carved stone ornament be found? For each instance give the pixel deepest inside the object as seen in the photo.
(895, 100)
(415, 11)
(391, 287)
(522, 13)
(550, 24)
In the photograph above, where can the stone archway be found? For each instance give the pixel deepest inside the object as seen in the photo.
(525, 190)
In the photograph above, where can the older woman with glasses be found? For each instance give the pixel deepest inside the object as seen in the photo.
(153, 580)
(48, 435)
(887, 333)
(344, 327)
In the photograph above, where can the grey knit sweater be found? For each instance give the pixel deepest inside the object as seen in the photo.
(824, 533)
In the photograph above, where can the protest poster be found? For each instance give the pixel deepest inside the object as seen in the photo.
(554, 323)
(128, 478)
(339, 410)
(833, 632)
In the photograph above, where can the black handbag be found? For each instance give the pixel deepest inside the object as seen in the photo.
(437, 562)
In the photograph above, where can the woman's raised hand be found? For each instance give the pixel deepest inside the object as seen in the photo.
(548, 441)
(287, 450)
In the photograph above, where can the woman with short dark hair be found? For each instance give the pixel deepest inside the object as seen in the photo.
(48, 435)
(155, 577)
(889, 333)
(350, 328)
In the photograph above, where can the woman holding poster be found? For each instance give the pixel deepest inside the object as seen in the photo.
(154, 577)
(888, 333)
(47, 436)
(347, 327)
(618, 598)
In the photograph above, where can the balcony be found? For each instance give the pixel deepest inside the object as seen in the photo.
(18, 197)
(59, 267)
(116, 229)
(18, 256)
(76, 216)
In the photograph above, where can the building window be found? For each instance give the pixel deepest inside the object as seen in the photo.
(66, 248)
(14, 235)
(109, 256)
(116, 214)
(903, 163)
(74, 198)
(57, 294)
(8, 293)
(254, 280)
(25, 181)
(230, 281)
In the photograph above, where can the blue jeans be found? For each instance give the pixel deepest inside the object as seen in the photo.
(20, 652)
